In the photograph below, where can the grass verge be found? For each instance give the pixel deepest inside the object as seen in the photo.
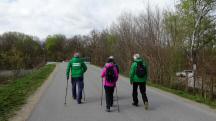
(14, 94)
(196, 98)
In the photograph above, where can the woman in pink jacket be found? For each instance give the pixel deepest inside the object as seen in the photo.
(110, 75)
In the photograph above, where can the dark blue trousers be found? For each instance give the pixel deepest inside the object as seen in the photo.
(77, 82)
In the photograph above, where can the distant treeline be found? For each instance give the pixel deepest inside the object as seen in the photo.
(171, 41)
(20, 51)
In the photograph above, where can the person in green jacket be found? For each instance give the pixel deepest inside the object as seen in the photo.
(138, 77)
(77, 68)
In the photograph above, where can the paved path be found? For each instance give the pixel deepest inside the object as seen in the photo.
(163, 106)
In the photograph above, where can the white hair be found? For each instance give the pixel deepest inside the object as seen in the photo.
(111, 57)
(136, 56)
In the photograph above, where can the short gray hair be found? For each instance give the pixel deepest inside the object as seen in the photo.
(111, 57)
(136, 56)
(76, 54)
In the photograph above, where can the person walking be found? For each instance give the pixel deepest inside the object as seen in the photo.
(138, 78)
(110, 75)
(77, 67)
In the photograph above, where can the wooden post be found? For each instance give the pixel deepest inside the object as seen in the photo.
(202, 91)
(212, 89)
(187, 81)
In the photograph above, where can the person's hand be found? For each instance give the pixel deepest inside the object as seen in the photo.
(131, 83)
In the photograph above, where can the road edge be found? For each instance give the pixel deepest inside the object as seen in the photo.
(25, 111)
(186, 100)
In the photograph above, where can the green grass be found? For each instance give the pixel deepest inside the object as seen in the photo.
(197, 98)
(14, 94)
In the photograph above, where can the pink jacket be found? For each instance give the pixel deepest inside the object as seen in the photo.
(103, 75)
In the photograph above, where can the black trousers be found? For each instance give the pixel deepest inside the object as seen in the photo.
(109, 96)
(142, 87)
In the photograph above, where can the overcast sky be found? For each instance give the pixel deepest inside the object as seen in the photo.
(44, 17)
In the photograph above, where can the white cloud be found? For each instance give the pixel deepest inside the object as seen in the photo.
(69, 17)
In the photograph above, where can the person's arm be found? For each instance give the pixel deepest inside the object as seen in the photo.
(117, 67)
(68, 70)
(84, 67)
(132, 72)
(116, 73)
(103, 73)
(147, 70)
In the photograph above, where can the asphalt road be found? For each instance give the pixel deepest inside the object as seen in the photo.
(162, 106)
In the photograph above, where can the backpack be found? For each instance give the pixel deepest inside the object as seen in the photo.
(141, 70)
(110, 74)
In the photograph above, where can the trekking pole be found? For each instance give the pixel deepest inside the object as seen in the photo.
(117, 99)
(66, 93)
(84, 98)
(101, 91)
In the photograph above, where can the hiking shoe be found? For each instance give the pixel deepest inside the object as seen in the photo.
(108, 110)
(79, 102)
(146, 105)
(111, 105)
(135, 104)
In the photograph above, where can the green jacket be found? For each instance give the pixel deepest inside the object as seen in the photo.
(77, 67)
(133, 76)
